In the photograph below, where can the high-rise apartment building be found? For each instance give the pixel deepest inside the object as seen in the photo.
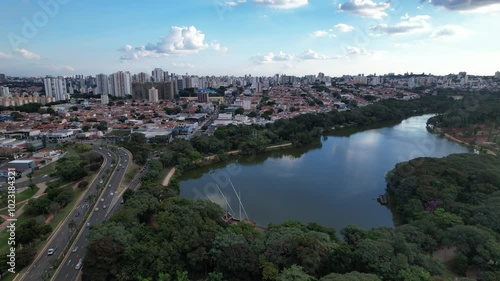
(153, 94)
(158, 75)
(104, 99)
(120, 84)
(143, 77)
(55, 87)
(497, 75)
(3, 78)
(4, 92)
(102, 81)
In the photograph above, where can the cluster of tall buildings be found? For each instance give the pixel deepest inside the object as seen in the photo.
(56, 87)
(118, 84)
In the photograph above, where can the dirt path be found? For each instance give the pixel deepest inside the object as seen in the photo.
(166, 181)
(465, 143)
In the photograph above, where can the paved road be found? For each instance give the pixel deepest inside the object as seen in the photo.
(43, 263)
(68, 271)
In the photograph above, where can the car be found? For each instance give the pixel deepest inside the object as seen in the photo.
(45, 176)
(51, 251)
(79, 264)
(111, 193)
(102, 199)
(101, 182)
(88, 224)
(77, 214)
(121, 201)
(109, 186)
(74, 249)
(104, 207)
(96, 209)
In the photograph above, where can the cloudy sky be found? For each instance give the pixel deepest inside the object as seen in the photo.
(258, 37)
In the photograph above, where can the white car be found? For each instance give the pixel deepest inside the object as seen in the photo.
(111, 193)
(96, 209)
(74, 249)
(102, 199)
(104, 207)
(79, 264)
(51, 251)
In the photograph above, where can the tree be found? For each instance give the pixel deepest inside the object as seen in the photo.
(351, 276)
(240, 111)
(294, 273)
(102, 260)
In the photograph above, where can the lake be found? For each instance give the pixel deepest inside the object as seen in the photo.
(334, 182)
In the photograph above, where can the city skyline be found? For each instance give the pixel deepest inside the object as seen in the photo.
(258, 37)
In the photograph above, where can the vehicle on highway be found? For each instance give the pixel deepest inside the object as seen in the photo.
(88, 224)
(96, 209)
(102, 199)
(51, 251)
(121, 201)
(79, 264)
(104, 207)
(111, 193)
(101, 182)
(109, 186)
(77, 214)
(74, 249)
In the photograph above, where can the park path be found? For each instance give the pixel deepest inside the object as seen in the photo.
(166, 181)
(41, 190)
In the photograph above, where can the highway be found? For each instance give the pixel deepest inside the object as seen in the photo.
(43, 263)
(67, 270)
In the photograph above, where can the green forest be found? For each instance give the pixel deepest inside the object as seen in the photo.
(473, 109)
(448, 202)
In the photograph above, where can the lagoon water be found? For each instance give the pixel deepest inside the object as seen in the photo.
(334, 182)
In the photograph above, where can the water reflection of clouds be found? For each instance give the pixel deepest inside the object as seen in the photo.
(286, 161)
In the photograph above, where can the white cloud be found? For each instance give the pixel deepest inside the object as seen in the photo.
(27, 54)
(234, 3)
(342, 27)
(402, 45)
(323, 33)
(181, 40)
(182, 65)
(365, 8)
(282, 4)
(449, 31)
(271, 57)
(312, 55)
(4, 55)
(134, 53)
(467, 5)
(409, 24)
(352, 52)
(215, 45)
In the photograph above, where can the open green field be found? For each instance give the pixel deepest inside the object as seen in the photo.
(27, 194)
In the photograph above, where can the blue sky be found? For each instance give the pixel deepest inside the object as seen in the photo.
(258, 37)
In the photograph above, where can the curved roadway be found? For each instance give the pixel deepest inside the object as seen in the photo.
(43, 263)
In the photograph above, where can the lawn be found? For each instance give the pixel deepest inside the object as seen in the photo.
(132, 171)
(46, 170)
(27, 194)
